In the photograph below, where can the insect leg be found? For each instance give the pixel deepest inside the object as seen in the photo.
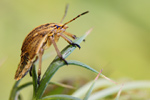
(70, 35)
(40, 64)
(57, 50)
(69, 41)
(56, 37)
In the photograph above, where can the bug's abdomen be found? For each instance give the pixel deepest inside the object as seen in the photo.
(31, 46)
(23, 67)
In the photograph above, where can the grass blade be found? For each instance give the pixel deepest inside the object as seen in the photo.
(47, 76)
(91, 88)
(34, 79)
(100, 83)
(60, 97)
(13, 94)
(118, 95)
(55, 83)
(73, 62)
(114, 89)
(62, 85)
(24, 85)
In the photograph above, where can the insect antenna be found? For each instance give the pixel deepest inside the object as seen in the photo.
(65, 13)
(75, 18)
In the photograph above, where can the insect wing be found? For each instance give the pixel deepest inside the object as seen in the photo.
(30, 49)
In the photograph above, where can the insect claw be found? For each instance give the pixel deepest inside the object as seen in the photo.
(30, 71)
(75, 37)
(64, 60)
(74, 44)
(38, 81)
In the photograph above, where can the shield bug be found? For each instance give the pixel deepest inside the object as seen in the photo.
(39, 39)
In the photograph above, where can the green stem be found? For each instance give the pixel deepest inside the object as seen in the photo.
(46, 77)
(24, 85)
(14, 91)
(34, 78)
(73, 62)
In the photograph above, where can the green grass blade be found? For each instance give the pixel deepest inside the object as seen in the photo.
(100, 83)
(47, 76)
(34, 79)
(55, 65)
(55, 83)
(62, 85)
(19, 97)
(91, 88)
(114, 89)
(73, 62)
(118, 95)
(89, 91)
(14, 91)
(60, 97)
(24, 85)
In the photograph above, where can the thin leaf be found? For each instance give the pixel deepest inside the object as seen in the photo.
(55, 83)
(118, 95)
(100, 83)
(19, 97)
(55, 65)
(62, 85)
(34, 79)
(46, 77)
(73, 62)
(103, 76)
(24, 85)
(14, 91)
(112, 90)
(60, 97)
(91, 88)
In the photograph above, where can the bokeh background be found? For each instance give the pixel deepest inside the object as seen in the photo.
(118, 44)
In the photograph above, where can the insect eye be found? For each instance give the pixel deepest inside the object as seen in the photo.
(57, 26)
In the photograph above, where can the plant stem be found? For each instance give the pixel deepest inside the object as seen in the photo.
(46, 77)
(14, 91)
(34, 78)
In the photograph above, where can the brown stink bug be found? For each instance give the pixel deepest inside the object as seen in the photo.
(40, 39)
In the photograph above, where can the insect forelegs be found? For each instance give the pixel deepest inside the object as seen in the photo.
(69, 41)
(70, 35)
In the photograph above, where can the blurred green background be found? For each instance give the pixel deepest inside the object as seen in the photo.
(119, 42)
